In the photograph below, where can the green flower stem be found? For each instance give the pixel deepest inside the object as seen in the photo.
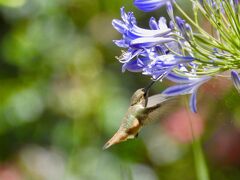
(200, 72)
(200, 163)
(232, 16)
(199, 160)
(196, 25)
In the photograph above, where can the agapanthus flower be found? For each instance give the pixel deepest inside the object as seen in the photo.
(141, 42)
(181, 50)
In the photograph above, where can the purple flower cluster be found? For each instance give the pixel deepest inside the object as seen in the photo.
(165, 50)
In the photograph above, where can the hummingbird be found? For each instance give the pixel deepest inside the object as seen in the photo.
(142, 110)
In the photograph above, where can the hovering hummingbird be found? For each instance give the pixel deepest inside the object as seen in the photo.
(142, 110)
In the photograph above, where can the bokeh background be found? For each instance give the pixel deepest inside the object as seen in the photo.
(62, 96)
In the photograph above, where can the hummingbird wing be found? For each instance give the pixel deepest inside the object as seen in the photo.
(157, 99)
(157, 106)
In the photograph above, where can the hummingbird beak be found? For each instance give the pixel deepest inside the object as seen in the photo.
(146, 89)
(118, 137)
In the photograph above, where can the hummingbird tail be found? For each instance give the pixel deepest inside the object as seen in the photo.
(117, 138)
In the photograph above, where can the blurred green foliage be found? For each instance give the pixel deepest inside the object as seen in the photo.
(62, 95)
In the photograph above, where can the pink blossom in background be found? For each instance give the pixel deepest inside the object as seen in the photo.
(178, 125)
(8, 172)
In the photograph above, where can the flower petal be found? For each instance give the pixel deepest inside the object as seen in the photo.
(149, 42)
(131, 66)
(177, 78)
(193, 102)
(187, 88)
(153, 24)
(149, 5)
(236, 80)
(121, 43)
(178, 90)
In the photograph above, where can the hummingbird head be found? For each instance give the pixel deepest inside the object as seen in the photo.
(139, 97)
(124, 134)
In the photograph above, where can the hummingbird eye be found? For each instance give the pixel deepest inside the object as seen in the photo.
(145, 94)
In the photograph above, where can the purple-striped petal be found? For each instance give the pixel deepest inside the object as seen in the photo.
(153, 24)
(186, 88)
(170, 10)
(149, 42)
(149, 5)
(178, 79)
(121, 43)
(119, 25)
(141, 32)
(178, 90)
(236, 80)
(136, 65)
(162, 23)
(193, 102)
(131, 66)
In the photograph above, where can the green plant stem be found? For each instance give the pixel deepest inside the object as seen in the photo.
(199, 160)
